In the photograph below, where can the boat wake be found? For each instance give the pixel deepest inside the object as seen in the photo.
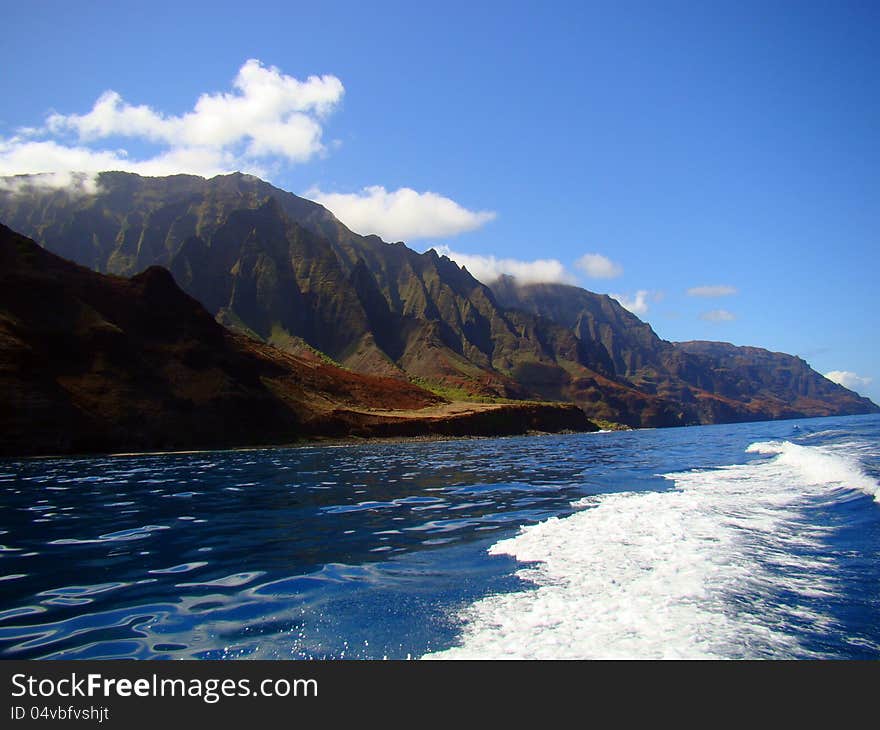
(732, 562)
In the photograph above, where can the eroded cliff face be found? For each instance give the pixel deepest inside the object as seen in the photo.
(90, 362)
(283, 269)
(712, 382)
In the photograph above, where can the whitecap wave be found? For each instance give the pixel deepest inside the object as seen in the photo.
(731, 563)
(830, 467)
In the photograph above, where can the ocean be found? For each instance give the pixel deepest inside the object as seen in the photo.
(756, 540)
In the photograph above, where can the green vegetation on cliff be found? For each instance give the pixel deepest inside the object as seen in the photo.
(282, 269)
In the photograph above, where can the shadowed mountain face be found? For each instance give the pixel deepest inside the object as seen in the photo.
(266, 262)
(102, 363)
(90, 362)
(275, 265)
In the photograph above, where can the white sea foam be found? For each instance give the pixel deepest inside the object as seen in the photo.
(727, 564)
(830, 466)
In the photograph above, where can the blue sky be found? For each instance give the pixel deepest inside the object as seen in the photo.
(724, 147)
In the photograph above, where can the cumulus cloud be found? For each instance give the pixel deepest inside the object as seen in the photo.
(597, 266)
(400, 215)
(718, 290)
(637, 304)
(266, 117)
(718, 315)
(848, 379)
(489, 268)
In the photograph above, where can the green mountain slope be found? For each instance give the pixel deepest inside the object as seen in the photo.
(97, 363)
(284, 269)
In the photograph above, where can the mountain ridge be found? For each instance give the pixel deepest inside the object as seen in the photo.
(284, 269)
(687, 371)
(98, 363)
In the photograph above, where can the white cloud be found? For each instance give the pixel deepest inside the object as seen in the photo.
(718, 315)
(848, 379)
(83, 183)
(489, 268)
(637, 304)
(597, 266)
(266, 117)
(720, 290)
(400, 215)
(58, 162)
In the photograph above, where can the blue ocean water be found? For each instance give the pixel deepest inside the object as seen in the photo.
(742, 541)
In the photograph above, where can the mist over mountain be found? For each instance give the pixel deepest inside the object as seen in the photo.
(285, 271)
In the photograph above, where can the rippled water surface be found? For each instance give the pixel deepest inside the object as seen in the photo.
(745, 540)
